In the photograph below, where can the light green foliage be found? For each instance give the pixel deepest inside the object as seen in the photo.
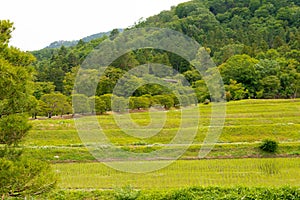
(235, 91)
(55, 104)
(164, 100)
(139, 103)
(97, 105)
(106, 98)
(241, 69)
(19, 176)
(25, 177)
(13, 128)
(183, 173)
(80, 104)
(41, 88)
(119, 104)
(126, 193)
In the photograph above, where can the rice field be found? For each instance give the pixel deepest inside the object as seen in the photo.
(247, 123)
(226, 172)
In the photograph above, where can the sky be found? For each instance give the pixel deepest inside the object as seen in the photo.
(39, 22)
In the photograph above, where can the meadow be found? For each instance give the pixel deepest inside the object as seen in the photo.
(235, 161)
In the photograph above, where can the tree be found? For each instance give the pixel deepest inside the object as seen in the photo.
(201, 90)
(69, 80)
(41, 88)
(108, 81)
(56, 103)
(139, 103)
(235, 91)
(114, 33)
(240, 68)
(271, 86)
(119, 104)
(19, 176)
(107, 98)
(80, 104)
(97, 105)
(165, 100)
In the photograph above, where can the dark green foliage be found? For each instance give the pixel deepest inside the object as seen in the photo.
(269, 146)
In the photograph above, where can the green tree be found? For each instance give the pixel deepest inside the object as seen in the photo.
(41, 88)
(165, 100)
(80, 104)
(242, 69)
(139, 103)
(114, 33)
(19, 176)
(235, 91)
(271, 86)
(108, 81)
(107, 98)
(97, 105)
(56, 103)
(119, 104)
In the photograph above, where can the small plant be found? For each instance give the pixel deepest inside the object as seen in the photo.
(269, 146)
(269, 167)
(126, 193)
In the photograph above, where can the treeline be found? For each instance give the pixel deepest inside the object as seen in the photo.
(254, 43)
(58, 104)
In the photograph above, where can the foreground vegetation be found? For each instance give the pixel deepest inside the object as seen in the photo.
(259, 193)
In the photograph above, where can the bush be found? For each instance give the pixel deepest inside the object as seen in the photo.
(126, 193)
(269, 146)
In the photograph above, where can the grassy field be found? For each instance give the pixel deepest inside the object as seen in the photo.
(247, 123)
(226, 172)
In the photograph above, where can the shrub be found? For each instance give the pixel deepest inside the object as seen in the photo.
(269, 146)
(126, 193)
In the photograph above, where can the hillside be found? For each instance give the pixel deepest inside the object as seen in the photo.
(60, 43)
(254, 43)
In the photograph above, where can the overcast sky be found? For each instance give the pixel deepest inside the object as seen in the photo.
(40, 22)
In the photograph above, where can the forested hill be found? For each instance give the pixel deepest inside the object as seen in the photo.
(241, 26)
(255, 44)
(60, 43)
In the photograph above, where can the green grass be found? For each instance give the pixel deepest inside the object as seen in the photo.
(226, 172)
(246, 121)
(243, 150)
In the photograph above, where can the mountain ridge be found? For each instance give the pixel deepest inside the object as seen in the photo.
(71, 43)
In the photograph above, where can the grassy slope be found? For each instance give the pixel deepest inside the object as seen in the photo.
(247, 122)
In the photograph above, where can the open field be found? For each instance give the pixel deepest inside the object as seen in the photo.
(247, 123)
(243, 164)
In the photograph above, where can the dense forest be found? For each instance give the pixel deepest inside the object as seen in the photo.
(254, 43)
